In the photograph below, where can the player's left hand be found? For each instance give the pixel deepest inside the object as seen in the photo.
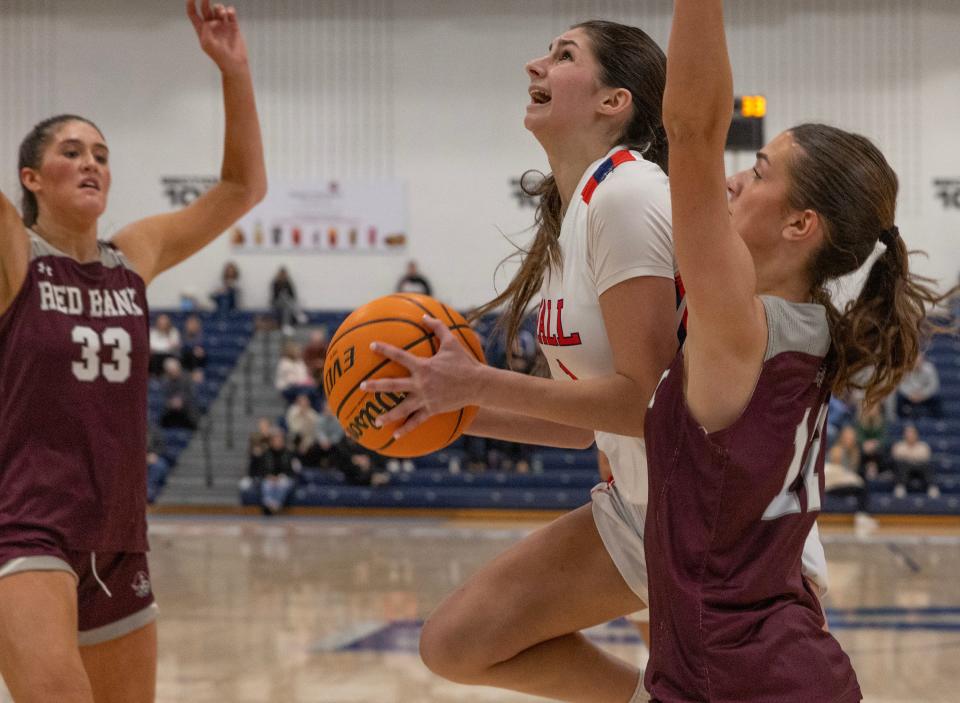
(219, 34)
(446, 381)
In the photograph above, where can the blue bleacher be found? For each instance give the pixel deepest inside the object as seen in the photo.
(225, 336)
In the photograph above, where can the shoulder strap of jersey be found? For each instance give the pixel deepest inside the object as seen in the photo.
(604, 170)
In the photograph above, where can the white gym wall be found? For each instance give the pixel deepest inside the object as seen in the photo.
(432, 93)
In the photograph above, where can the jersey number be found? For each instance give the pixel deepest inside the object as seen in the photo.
(89, 367)
(787, 501)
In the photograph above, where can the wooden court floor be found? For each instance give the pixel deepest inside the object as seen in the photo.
(327, 610)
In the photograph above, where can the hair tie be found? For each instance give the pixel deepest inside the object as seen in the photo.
(890, 236)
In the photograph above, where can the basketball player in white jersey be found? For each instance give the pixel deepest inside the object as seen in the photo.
(608, 325)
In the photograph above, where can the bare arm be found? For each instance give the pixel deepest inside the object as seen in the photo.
(512, 427)
(726, 324)
(639, 315)
(157, 243)
(14, 253)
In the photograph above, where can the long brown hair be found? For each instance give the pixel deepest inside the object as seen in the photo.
(846, 179)
(629, 59)
(31, 155)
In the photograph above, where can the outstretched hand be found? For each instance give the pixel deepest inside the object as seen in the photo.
(219, 34)
(446, 381)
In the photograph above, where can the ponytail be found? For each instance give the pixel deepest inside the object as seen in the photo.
(542, 255)
(878, 337)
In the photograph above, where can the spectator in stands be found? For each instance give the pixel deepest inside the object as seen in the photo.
(283, 300)
(157, 465)
(911, 461)
(845, 451)
(841, 479)
(302, 428)
(226, 297)
(292, 376)
(363, 467)
(258, 443)
(193, 353)
(872, 434)
(315, 354)
(331, 439)
(276, 471)
(164, 343)
(918, 394)
(179, 403)
(476, 451)
(413, 281)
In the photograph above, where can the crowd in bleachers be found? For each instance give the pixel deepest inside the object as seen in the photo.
(191, 354)
(906, 447)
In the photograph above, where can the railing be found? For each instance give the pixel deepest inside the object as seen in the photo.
(265, 353)
(248, 384)
(228, 425)
(205, 425)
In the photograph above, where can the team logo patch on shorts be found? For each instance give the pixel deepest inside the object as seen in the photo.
(141, 585)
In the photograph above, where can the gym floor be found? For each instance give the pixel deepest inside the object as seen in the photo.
(328, 609)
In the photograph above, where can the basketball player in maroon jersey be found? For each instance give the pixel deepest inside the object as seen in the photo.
(735, 430)
(73, 395)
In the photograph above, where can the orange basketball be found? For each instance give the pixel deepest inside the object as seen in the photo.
(397, 320)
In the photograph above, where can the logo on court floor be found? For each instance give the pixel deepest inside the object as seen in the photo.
(141, 585)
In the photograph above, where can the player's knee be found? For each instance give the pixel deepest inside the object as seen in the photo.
(447, 650)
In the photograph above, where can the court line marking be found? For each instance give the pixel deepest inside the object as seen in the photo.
(911, 563)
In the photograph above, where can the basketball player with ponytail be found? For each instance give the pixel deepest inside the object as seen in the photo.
(77, 614)
(608, 324)
(735, 431)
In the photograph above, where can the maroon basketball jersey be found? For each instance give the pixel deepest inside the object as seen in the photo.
(731, 617)
(74, 349)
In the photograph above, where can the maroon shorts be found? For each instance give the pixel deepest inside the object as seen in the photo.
(114, 596)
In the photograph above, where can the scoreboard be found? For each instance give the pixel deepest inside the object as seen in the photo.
(746, 129)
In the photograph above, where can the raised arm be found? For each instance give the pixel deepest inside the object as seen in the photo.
(157, 243)
(726, 324)
(14, 253)
(714, 262)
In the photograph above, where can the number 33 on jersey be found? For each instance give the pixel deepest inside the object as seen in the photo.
(86, 320)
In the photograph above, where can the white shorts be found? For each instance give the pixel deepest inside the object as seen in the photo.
(813, 562)
(620, 524)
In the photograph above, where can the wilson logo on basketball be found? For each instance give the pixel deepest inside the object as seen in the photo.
(363, 419)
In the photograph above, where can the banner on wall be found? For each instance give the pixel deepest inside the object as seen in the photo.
(183, 190)
(948, 191)
(341, 217)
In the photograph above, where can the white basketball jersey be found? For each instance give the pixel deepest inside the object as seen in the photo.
(617, 227)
